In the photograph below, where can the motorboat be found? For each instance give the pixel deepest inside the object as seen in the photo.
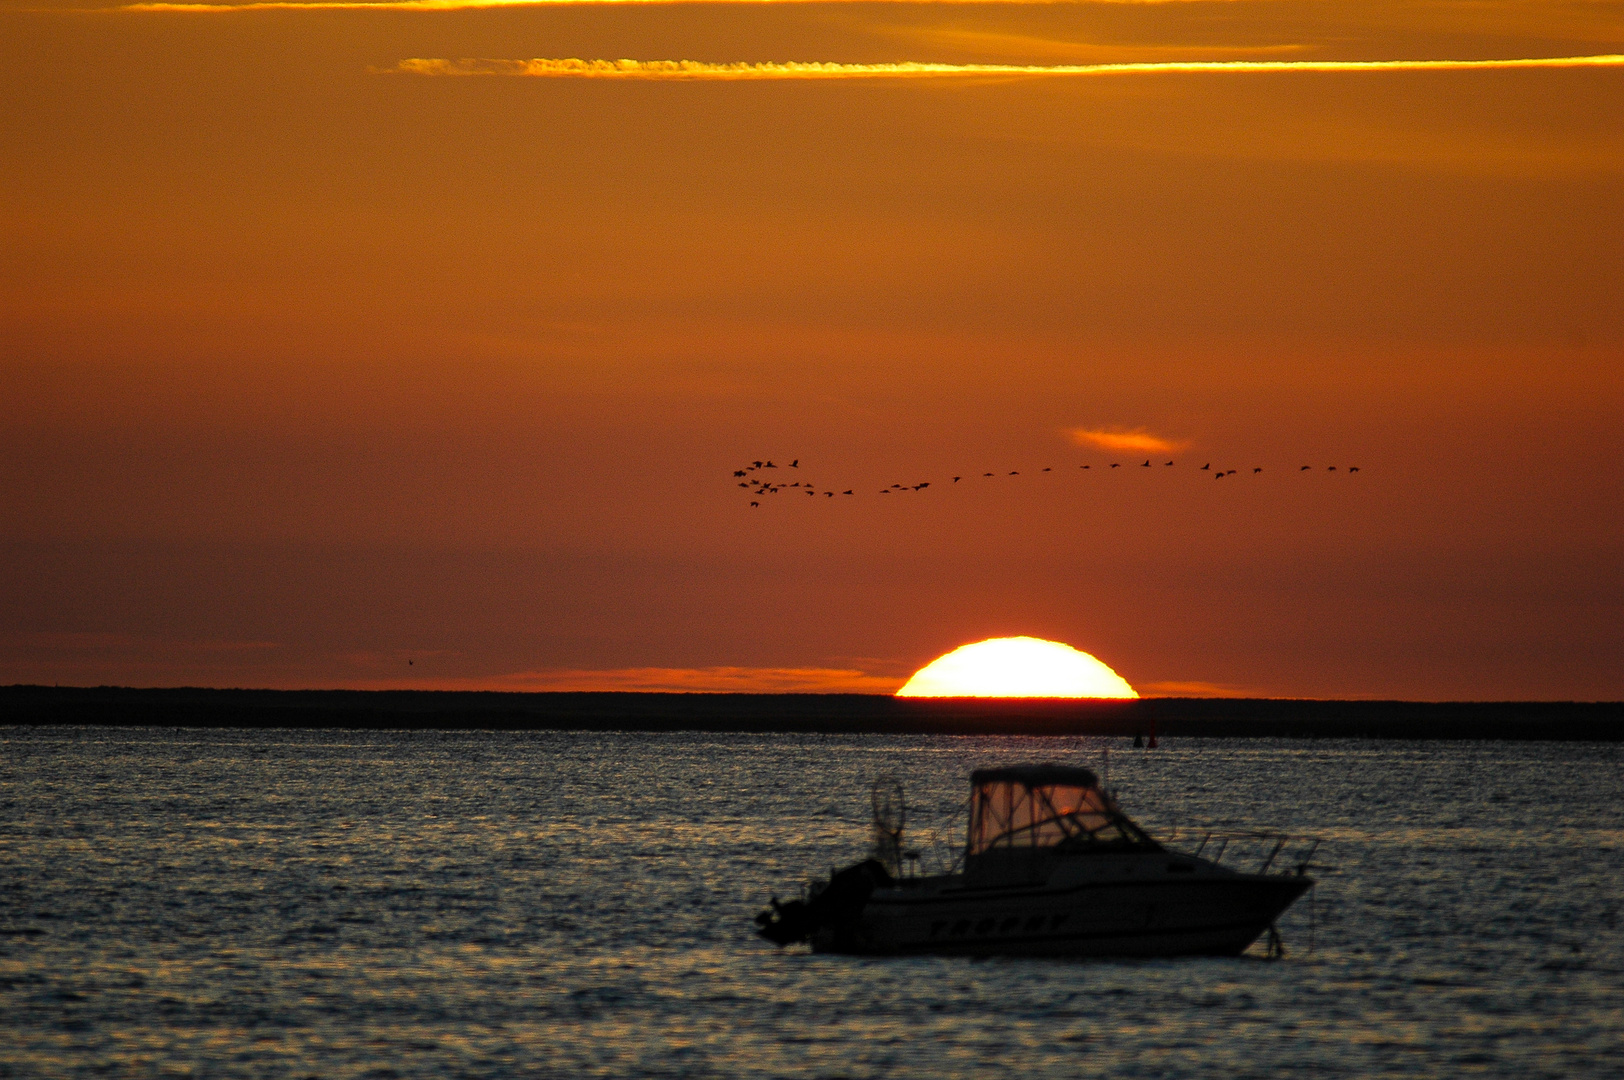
(1051, 867)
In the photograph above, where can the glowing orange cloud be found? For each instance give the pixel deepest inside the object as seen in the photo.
(1199, 690)
(711, 680)
(694, 69)
(1116, 439)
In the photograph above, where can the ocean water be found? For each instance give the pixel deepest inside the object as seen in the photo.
(491, 904)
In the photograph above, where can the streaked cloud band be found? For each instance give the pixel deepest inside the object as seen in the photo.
(693, 70)
(381, 5)
(453, 5)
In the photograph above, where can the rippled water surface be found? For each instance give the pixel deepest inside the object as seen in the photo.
(341, 904)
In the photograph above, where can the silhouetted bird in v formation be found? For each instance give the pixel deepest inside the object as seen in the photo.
(764, 487)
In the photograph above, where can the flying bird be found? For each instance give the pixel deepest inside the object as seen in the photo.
(759, 487)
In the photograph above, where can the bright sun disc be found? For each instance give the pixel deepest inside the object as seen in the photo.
(1014, 667)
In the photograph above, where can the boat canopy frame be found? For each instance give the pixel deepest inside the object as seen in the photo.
(1031, 807)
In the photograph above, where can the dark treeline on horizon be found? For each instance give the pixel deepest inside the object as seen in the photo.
(807, 713)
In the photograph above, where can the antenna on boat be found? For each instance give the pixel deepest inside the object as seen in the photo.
(890, 815)
(1105, 768)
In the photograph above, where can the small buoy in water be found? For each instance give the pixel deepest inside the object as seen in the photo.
(1153, 734)
(1138, 740)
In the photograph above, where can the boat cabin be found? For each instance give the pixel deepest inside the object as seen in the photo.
(1024, 816)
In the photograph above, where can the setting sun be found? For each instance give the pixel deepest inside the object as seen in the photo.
(1017, 667)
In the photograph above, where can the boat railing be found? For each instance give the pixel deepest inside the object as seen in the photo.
(1256, 851)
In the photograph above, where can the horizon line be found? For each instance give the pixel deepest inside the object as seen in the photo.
(1233, 698)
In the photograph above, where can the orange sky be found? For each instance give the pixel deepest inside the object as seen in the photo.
(311, 363)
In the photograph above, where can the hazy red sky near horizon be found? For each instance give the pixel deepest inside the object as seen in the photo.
(311, 366)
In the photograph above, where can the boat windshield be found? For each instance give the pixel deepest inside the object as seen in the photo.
(1039, 806)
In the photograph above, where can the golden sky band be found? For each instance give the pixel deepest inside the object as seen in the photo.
(316, 374)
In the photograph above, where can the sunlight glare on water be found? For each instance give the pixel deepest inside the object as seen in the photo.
(423, 904)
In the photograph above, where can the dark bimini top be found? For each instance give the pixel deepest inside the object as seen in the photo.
(1036, 776)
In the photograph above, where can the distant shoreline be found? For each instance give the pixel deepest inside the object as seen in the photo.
(807, 714)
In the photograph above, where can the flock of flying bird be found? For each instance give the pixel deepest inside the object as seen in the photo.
(755, 479)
